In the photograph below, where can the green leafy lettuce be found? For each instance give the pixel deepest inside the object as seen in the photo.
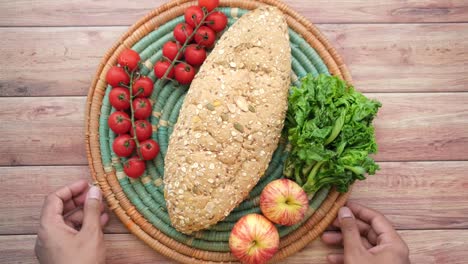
(329, 127)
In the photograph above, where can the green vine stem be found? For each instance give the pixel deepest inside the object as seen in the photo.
(131, 74)
(132, 114)
(187, 41)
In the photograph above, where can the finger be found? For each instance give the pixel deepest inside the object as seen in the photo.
(364, 228)
(102, 209)
(332, 238)
(104, 219)
(398, 246)
(92, 213)
(335, 258)
(80, 199)
(349, 230)
(372, 237)
(336, 239)
(366, 243)
(383, 228)
(76, 219)
(70, 224)
(54, 203)
(336, 223)
(376, 220)
(75, 202)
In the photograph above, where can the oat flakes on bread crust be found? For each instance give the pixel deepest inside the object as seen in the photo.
(230, 122)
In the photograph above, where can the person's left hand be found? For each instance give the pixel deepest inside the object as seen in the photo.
(71, 224)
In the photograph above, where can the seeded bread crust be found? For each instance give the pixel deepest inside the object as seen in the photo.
(230, 122)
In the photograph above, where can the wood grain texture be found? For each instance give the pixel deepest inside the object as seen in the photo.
(88, 12)
(42, 131)
(422, 126)
(382, 58)
(418, 70)
(409, 127)
(413, 195)
(52, 61)
(418, 195)
(426, 247)
(401, 58)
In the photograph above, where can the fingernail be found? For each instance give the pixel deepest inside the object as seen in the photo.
(94, 193)
(345, 212)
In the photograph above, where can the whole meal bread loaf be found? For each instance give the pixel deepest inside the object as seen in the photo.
(230, 122)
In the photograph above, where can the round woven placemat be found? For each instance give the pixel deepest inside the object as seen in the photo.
(140, 203)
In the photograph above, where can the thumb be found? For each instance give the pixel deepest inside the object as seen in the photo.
(349, 229)
(92, 210)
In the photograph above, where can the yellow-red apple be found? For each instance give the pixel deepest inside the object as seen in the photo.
(254, 239)
(284, 202)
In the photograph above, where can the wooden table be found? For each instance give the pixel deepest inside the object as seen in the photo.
(411, 55)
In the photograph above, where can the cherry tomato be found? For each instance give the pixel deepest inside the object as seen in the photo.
(205, 36)
(182, 31)
(195, 55)
(123, 145)
(117, 75)
(170, 50)
(143, 130)
(129, 58)
(134, 167)
(143, 87)
(193, 15)
(119, 98)
(208, 4)
(184, 73)
(119, 122)
(149, 149)
(217, 21)
(142, 108)
(160, 69)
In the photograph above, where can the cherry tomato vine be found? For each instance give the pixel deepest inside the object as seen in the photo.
(130, 90)
(203, 34)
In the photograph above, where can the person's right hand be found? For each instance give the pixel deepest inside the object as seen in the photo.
(71, 224)
(367, 237)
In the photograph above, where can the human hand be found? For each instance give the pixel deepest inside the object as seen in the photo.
(367, 236)
(71, 224)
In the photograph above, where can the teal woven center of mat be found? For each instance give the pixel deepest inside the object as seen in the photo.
(147, 192)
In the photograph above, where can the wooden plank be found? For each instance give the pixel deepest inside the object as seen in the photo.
(402, 58)
(410, 127)
(422, 126)
(426, 247)
(88, 12)
(418, 195)
(42, 130)
(52, 61)
(382, 58)
(413, 195)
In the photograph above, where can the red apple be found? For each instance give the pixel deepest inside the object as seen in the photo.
(284, 202)
(254, 239)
